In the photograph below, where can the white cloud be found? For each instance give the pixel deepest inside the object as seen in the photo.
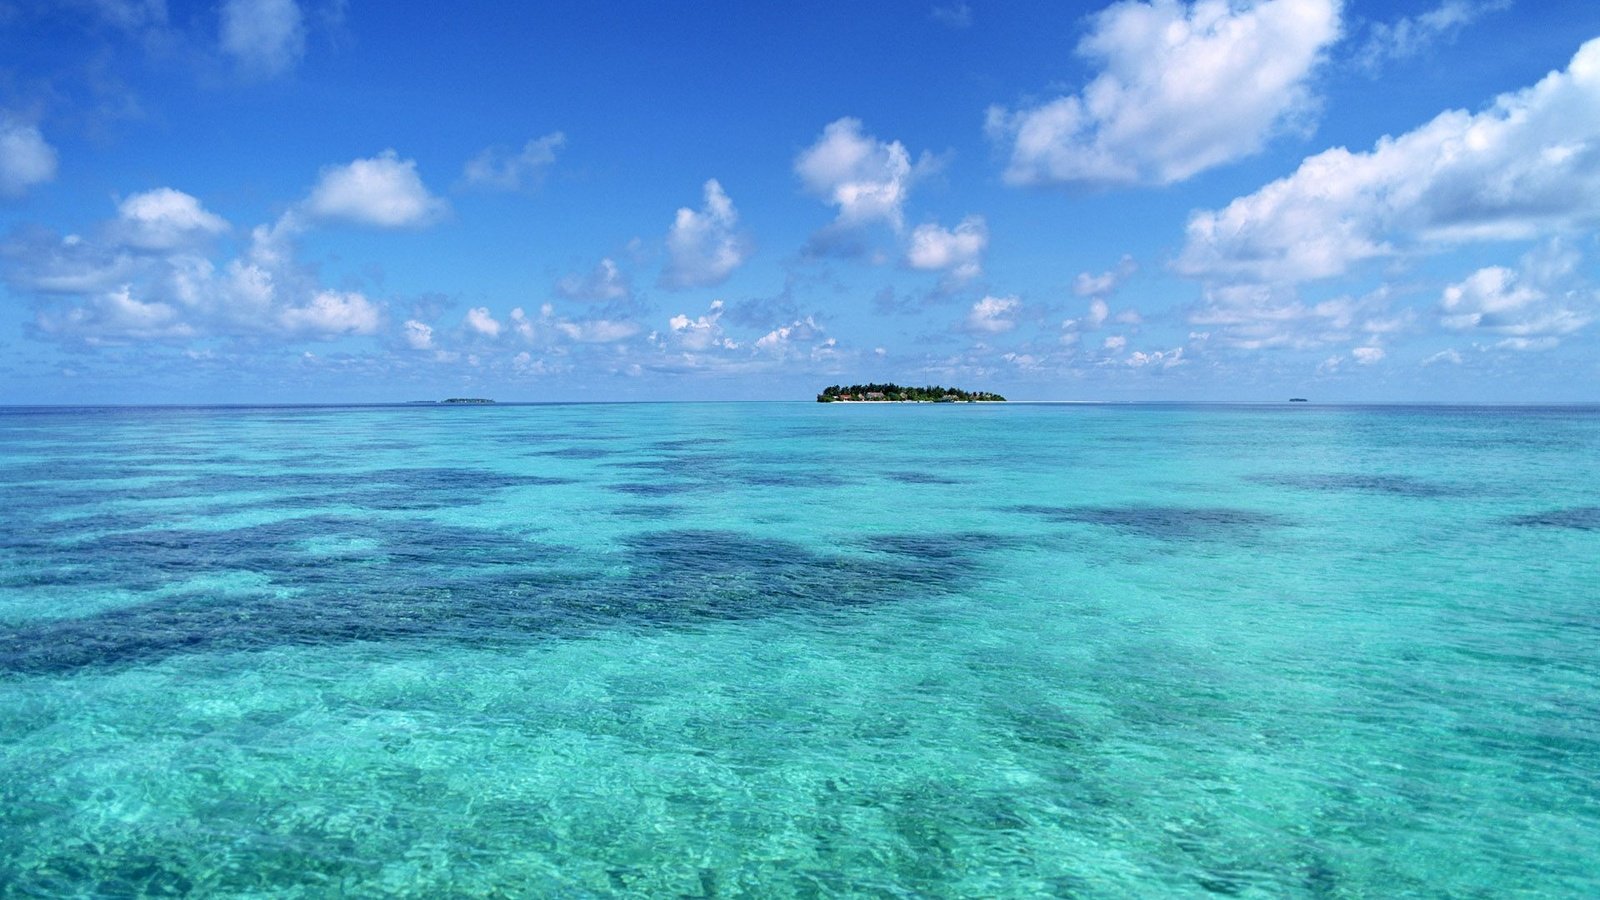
(597, 331)
(1367, 356)
(98, 291)
(779, 339)
(703, 248)
(1410, 35)
(384, 191)
(956, 15)
(117, 316)
(332, 313)
(552, 330)
(1450, 356)
(25, 159)
(1184, 87)
(1528, 165)
(165, 219)
(498, 169)
(994, 315)
(418, 336)
(1098, 311)
(1089, 285)
(867, 179)
(700, 333)
(1531, 309)
(264, 37)
(1165, 359)
(605, 282)
(1115, 343)
(479, 321)
(958, 251)
(129, 15)
(1259, 316)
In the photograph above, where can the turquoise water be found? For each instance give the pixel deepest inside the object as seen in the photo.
(801, 650)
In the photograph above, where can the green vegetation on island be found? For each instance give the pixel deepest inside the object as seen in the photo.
(467, 400)
(893, 393)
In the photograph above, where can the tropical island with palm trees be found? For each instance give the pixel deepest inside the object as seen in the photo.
(894, 393)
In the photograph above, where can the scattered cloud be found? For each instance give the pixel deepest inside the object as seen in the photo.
(264, 37)
(1528, 165)
(1528, 309)
(332, 313)
(993, 315)
(604, 283)
(165, 219)
(701, 333)
(1259, 317)
(703, 247)
(148, 275)
(25, 159)
(1159, 359)
(496, 168)
(383, 192)
(1183, 87)
(867, 179)
(480, 322)
(1367, 356)
(1408, 36)
(417, 335)
(957, 251)
(956, 15)
(780, 339)
(1106, 283)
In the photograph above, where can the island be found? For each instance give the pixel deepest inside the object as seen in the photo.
(466, 400)
(894, 393)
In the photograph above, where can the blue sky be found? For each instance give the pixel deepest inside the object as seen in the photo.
(281, 201)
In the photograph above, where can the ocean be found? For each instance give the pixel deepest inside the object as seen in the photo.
(800, 649)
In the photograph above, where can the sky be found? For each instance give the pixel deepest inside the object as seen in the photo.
(293, 201)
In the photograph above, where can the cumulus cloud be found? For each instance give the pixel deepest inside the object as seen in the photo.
(1105, 283)
(1530, 309)
(780, 339)
(148, 275)
(332, 313)
(417, 335)
(703, 247)
(958, 251)
(384, 192)
(993, 315)
(114, 316)
(1162, 359)
(550, 330)
(1259, 316)
(605, 282)
(25, 159)
(165, 219)
(1528, 165)
(264, 37)
(479, 321)
(1183, 87)
(867, 179)
(1410, 35)
(702, 332)
(499, 169)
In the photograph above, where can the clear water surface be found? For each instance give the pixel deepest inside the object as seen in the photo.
(801, 650)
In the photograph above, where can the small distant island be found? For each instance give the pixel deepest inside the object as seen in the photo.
(468, 400)
(894, 393)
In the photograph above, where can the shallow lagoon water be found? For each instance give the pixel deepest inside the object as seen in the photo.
(800, 650)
